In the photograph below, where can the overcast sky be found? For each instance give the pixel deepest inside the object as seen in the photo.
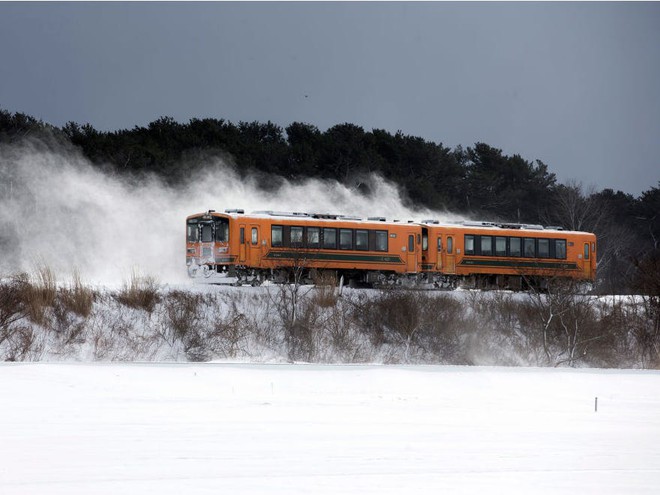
(576, 85)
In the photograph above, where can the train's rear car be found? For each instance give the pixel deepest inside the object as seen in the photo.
(494, 255)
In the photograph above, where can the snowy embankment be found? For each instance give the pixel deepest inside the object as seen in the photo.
(229, 428)
(41, 320)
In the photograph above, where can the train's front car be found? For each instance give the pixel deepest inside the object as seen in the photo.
(208, 251)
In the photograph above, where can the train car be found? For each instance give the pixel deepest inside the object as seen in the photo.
(501, 255)
(266, 245)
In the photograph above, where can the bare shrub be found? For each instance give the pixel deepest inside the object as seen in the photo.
(502, 330)
(22, 344)
(122, 333)
(424, 327)
(68, 326)
(140, 292)
(339, 337)
(442, 324)
(566, 323)
(12, 306)
(297, 317)
(230, 333)
(615, 349)
(182, 312)
(325, 292)
(647, 282)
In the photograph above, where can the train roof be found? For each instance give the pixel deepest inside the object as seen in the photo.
(236, 213)
(525, 227)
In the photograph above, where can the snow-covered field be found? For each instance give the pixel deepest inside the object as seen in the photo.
(233, 428)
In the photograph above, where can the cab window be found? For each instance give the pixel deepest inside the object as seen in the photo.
(207, 232)
(193, 231)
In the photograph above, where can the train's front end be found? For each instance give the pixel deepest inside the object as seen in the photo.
(208, 250)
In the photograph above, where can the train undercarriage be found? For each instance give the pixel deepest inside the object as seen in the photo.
(237, 275)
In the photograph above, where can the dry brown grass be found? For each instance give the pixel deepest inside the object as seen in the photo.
(78, 298)
(140, 292)
(39, 292)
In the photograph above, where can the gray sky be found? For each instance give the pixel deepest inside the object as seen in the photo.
(576, 85)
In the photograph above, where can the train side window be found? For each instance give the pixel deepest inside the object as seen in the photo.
(469, 244)
(439, 244)
(313, 237)
(362, 240)
(544, 248)
(514, 246)
(529, 247)
(586, 251)
(560, 249)
(411, 243)
(381, 240)
(345, 239)
(276, 236)
(222, 230)
(425, 242)
(330, 238)
(486, 245)
(450, 245)
(500, 246)
(296, 236)
(242, 235)
(255, 236)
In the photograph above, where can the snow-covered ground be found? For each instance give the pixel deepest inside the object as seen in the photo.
(232, 428)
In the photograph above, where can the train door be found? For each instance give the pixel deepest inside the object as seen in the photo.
(449, 255)
(411, 254)
(586, 261)
(428, 254)
(241, 246)
(255, 245)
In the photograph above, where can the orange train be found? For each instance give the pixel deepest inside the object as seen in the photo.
(267, 245)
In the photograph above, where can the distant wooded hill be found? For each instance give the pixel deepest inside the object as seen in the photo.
(479, 181)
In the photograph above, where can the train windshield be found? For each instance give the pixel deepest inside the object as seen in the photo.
(207, 231)
(203, 230)
(193, 230)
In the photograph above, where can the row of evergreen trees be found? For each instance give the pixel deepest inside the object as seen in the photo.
(479, 180)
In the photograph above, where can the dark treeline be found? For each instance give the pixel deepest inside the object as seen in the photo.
(478, 181)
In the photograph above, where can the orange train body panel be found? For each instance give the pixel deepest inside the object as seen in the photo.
(267, 241)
